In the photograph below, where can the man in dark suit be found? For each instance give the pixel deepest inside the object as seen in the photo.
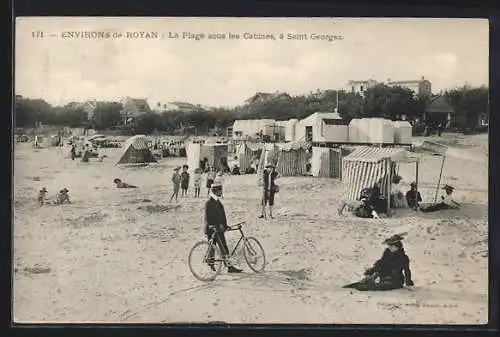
(215, 217)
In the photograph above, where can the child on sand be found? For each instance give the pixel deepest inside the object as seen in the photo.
(62, 197)
(218, 180)
(41, 196)
(120, 184)
(184, 180)
(197, 182)
(176, 181)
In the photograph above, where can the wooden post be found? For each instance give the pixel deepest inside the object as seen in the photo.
(340, 162)
(388, 170)
(439, 181)
(416, 174)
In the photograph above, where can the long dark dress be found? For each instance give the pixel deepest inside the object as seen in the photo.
(392, 270)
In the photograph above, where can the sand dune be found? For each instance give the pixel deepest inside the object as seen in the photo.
(121, 255)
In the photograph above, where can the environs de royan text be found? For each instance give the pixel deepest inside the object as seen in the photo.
(151, 35)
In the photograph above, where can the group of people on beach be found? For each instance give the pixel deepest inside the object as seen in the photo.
(181, 181)
(62, 197)
(370, 204)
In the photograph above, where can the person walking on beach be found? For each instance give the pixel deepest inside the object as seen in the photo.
(197, 182)
(215, 219)
(73, 151)
(210, 179)
(176, 182)
(269, 190)
(184, 181)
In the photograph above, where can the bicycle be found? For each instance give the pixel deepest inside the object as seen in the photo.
(251, 248)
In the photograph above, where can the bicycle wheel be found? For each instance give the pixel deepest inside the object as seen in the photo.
(198, 261)
(254, 254)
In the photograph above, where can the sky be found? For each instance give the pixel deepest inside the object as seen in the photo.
(225, 72)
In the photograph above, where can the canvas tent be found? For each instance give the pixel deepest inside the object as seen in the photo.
(215, 153)
(193, 154)
(136, 150)
(326, 162)
(290, 159)
(246, 152)
(366, 165)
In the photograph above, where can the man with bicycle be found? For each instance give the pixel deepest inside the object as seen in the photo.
(215, 219)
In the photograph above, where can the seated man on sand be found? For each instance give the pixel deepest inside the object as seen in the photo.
(120, 184)
(413, 197)
(392, 271)
(360, 208)
(447, 202)
(62, 197)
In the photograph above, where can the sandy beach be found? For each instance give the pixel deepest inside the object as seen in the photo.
(111, 256)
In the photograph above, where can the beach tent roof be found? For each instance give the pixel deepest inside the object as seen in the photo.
(433, 148)
(369, 154)
(96, 136)
(138, 142)
(254, 146)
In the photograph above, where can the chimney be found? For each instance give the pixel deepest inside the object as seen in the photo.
(388, 80)
(423, 78)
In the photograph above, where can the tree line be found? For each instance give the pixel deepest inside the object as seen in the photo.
(467, 102)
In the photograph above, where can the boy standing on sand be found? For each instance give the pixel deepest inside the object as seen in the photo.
(176, 181)
(42, 196)
(218, 180)
(184, 180)
(197, 182)
(210, 179)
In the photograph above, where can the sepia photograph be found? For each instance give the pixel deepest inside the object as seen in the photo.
(250, 170)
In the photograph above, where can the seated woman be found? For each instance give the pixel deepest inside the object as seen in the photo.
(447, 202)
(397, 198)
(120, 184)
(392, 271)
(360, 208)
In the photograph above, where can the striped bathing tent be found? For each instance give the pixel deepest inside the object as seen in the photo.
(366, 165)
(136, 150)
(290, 159)
(247, 152)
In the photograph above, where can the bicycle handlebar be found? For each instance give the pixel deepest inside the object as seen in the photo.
(229, 228)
